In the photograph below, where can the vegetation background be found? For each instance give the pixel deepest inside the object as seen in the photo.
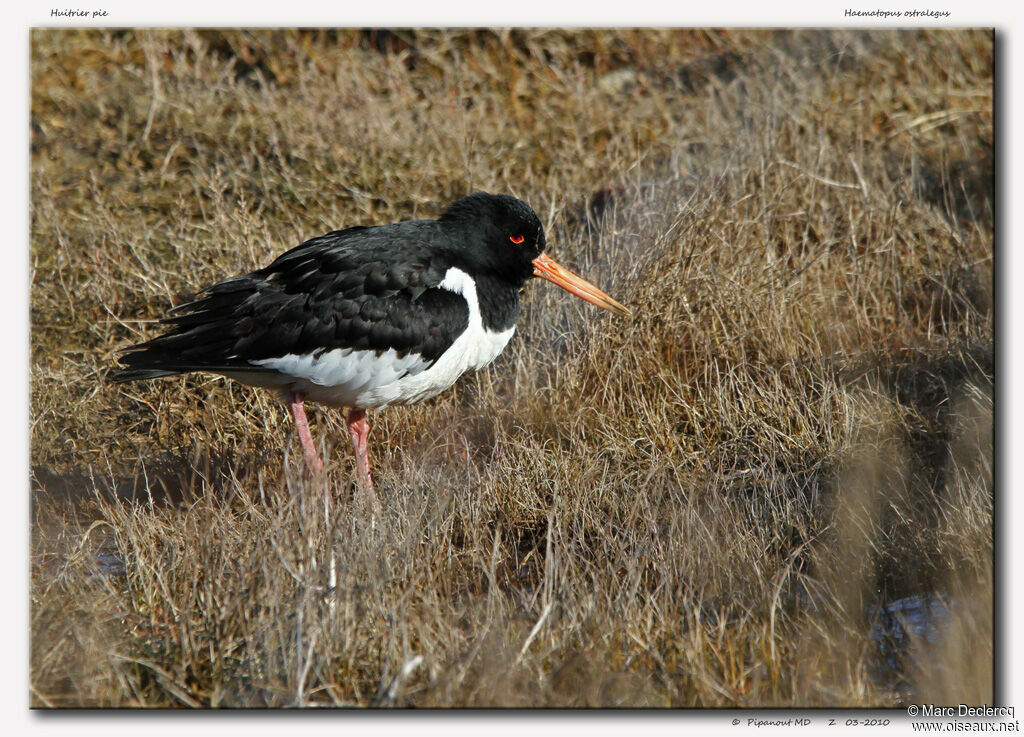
(773, 487)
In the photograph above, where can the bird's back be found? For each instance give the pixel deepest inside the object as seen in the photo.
(361, 289)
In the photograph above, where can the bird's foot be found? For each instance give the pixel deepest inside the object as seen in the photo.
(359, 432)
(313, 460)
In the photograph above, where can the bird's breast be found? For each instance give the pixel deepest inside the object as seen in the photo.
(473, 349)
(367, 379)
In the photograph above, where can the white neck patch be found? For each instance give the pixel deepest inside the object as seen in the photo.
(482, 346)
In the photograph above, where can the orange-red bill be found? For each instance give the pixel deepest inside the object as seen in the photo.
(547, 268)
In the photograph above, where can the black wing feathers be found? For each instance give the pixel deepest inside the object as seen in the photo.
(360, 288)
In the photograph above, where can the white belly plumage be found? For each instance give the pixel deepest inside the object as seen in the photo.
(364, 379)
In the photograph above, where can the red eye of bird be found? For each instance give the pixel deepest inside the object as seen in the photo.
(517, 239)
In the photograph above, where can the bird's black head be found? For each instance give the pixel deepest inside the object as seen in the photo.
(500, 237)
(496, 234)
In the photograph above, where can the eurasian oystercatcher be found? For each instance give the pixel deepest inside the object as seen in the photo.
(367, 316)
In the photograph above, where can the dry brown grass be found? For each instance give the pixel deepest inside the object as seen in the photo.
(709, 505)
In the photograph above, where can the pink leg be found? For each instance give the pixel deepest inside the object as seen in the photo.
(295, 404)
(359, 431)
